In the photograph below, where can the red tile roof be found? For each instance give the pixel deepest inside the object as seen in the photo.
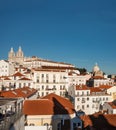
(24, 78)
(38, 107)
(25, 92)
(9, 93)
(105, 86)
(95, 89)
(100, 121)
(7, 78)
(18, 74)
(82, 87)
(51, 104)
(97, 77)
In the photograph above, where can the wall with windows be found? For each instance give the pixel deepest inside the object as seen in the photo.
(47, 82)
(6, 68)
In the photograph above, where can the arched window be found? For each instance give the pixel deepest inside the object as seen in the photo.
(32, 124)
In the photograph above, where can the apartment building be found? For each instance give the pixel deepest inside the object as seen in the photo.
(96, 81)
(50, 80)
(17, 80)
(109, 107)
(6, 68)
(89, 100)
(75, 78)
(110, 90)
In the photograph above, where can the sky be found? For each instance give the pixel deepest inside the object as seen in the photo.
(79, 32)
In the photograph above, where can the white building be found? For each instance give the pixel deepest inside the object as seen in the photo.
(89, 100)
(17, 80)
(97, 81)
(35, 62)
(110, 107)
(6, 68)
(74, 78)
(110, 90)
(50, 80)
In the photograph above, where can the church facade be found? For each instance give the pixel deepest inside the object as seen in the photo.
(17, 57)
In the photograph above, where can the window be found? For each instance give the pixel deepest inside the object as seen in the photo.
(42, 87)
(54, 87)
(77, 106)
(37, 80)
(54, 81)
(47, 81)
(42, 75)
(47, 93)
(47, 87)
(24, 84)
(77, 93)
(87, 105)
(107, 99)
(83, 107)
(87, 98)
(42, 93)
(87, 93)
(46, 75)
(82, 93)
(60, 76)
(78, 99)
(19, 85)
(63, 87)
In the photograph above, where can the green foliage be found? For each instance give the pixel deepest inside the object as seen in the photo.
(82, 70)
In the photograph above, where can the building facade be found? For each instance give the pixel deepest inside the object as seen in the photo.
(6, 68)
(17, 57)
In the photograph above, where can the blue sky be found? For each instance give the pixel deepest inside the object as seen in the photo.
(80, 32)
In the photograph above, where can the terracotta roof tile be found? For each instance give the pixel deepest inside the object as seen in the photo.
(97, 77)
(54, 104)
(18, 74)
(7, 78)
(38, 107)
(105, 86)
(25, 92)
(82, 87)
(95, 89)
(100, 121)
(24, 78)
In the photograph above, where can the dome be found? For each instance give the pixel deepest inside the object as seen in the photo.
(96, 68)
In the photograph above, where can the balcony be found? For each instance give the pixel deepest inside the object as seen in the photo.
(83, 101)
